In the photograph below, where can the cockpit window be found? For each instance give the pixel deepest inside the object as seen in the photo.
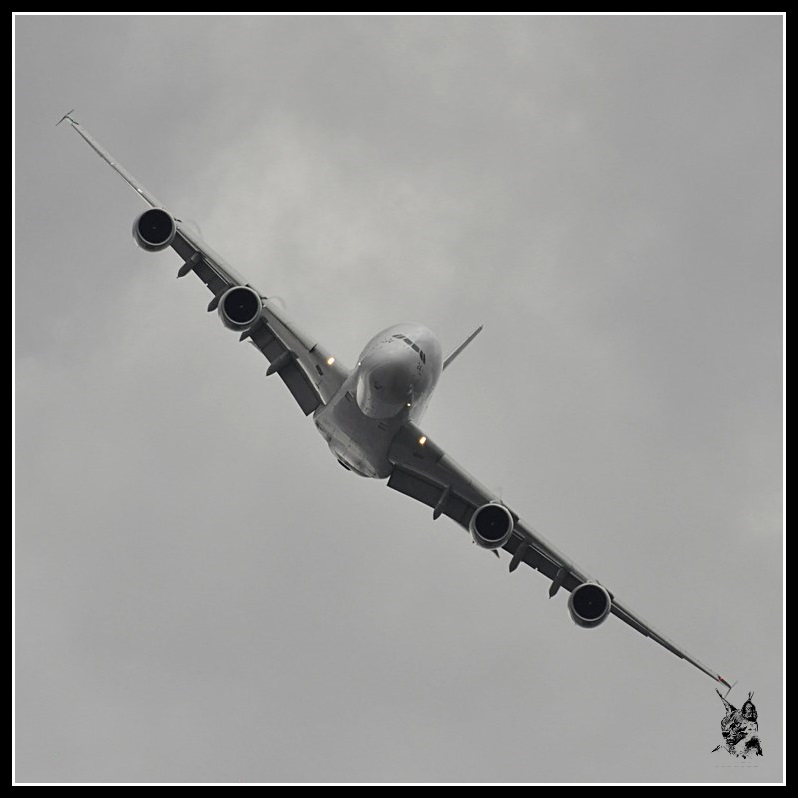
(413, 345)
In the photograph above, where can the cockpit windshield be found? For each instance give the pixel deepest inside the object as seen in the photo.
(413, 345)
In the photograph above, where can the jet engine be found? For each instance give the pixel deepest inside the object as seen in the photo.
(491, 525)
(154, 230)
(589, 605)
(240, 307)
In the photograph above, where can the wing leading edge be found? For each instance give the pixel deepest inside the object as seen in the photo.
(423, 471)
(308, 370)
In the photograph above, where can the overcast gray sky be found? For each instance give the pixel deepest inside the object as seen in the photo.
(202, 593)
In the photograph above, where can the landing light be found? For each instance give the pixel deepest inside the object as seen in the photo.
(330, 360)
(422, 440)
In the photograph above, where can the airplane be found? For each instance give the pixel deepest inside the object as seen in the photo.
(369, 415)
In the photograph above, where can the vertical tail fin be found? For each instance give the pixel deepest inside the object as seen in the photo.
(462, 346)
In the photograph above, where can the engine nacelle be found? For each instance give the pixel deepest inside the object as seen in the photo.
(589, 605)
(491, 525)
(240, 307)
(154, 230)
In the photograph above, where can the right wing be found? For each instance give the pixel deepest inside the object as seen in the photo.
(423, 471)
(308, 370)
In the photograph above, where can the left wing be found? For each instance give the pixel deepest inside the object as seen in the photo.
(425, 472)
(308, 370)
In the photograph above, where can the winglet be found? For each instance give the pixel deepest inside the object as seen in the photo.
(726, 684)
(66, 116)
(462, 346)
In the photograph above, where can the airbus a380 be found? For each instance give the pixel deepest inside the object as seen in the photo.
(369, 416)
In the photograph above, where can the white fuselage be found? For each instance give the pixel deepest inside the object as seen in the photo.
(392, 383)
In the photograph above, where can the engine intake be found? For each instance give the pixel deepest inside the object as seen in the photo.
(154, 230)
(491, 525)
(240, 307)
(589, 605)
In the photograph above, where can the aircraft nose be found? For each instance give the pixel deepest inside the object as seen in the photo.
(384, 388)
(392, 381)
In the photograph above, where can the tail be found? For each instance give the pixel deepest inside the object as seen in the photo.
(462, 346)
